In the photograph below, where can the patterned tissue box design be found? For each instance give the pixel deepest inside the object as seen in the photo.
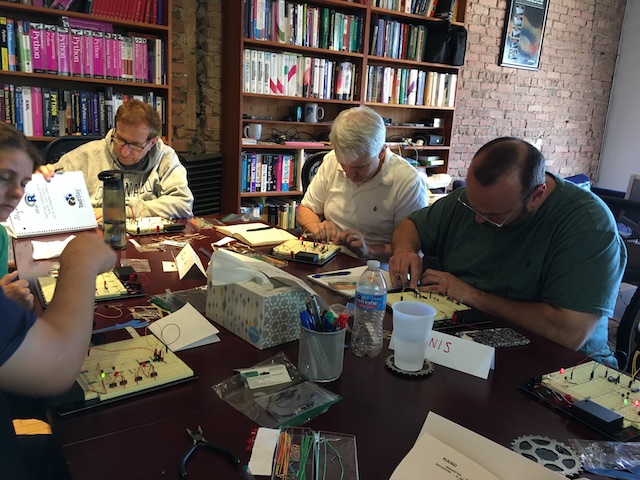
(262, 317)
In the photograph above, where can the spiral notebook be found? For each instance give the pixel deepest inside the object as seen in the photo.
(58, 206)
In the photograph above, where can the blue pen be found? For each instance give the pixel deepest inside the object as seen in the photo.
(305, 320)
(334, 274)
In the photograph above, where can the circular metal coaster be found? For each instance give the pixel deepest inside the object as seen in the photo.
(554, 455)
(427, 368)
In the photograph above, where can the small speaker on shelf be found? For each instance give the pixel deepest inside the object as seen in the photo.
(435, 140)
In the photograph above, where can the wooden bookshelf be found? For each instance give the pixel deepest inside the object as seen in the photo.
(58, 82)
(238, 105)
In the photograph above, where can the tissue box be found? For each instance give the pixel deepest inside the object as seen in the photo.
(261, 316)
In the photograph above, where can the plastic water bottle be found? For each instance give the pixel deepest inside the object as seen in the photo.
(371, 298)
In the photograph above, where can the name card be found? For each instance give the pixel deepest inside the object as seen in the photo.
(188, 263)
(460, 354)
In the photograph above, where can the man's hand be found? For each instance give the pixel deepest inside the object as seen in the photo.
(47, 171)
(446, 284)
(403, 266)
(354, 241)
(325, 231)
(17, 290)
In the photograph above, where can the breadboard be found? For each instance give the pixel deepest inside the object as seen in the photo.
(445, 306)
(107, 286)
(607, 387)
(128, 367)
(305, 251)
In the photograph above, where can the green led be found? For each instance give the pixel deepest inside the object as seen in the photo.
(626, 402)
(103, 375)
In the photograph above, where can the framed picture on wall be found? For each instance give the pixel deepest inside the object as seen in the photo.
(523, 33)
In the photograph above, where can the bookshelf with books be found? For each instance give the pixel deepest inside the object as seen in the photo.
(295, 56)
(67, 72)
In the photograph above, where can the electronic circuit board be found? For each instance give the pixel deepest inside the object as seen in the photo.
(317, 253)
(445, 306)
(108, 286)
(121, 369)
(608, 388)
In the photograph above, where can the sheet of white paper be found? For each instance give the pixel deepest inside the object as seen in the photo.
(169, 266)
(184, 328)
(224, 241)
(430, 458)
(499, 460)
(263, 451)
(45, 250)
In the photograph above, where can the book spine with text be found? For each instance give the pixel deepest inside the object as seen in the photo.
(64, 64)
(77, 53)
(36, 111)
(37, 47)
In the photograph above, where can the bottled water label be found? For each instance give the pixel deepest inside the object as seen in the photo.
(370, 302)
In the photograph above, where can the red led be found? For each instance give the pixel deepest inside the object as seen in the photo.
(561, 371)
(637, 403)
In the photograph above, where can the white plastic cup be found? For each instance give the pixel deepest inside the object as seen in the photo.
(412, 325)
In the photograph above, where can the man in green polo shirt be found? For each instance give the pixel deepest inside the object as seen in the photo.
(523, 245)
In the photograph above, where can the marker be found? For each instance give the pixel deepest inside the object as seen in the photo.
(258, 229)
(334, 274)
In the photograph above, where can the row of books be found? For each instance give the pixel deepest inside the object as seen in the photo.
(294, 75)
(49, 112)
(303, 25)
(444, 9)
(267, 172)
(146, 11)
(404, 86)
(80, 52)
(276, 211)
(393, 39)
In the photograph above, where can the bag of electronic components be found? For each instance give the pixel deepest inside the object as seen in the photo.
(274, 393)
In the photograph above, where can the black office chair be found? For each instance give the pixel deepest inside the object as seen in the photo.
(61, 145)
(628, 334)
(310, 168)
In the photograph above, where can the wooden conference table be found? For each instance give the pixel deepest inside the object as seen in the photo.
(144, 437)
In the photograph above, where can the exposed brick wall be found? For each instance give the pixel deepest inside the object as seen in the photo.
(564, 103)
(197, 75)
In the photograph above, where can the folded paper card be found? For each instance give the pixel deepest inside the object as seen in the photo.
(184, 329)
(427, 457)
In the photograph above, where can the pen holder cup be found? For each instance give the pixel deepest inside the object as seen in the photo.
(321, 354)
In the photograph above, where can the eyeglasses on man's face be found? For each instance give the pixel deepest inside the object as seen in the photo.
(134, 147)
(491, 219)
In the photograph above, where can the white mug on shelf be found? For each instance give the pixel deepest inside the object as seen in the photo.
(253, 130)
(313, 113)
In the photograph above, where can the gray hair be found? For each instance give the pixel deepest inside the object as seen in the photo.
(357, 132)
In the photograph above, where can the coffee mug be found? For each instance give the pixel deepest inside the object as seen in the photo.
(253, 130)
(313, 113)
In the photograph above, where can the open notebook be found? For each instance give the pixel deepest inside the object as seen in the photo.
(58, 206)
(256, 234)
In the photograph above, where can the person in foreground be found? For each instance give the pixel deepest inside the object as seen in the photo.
(362, 190)
(42, 356)
(155, 181)
(520, 244)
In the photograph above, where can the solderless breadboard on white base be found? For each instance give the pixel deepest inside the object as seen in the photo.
(129, 366)
(605, 386)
